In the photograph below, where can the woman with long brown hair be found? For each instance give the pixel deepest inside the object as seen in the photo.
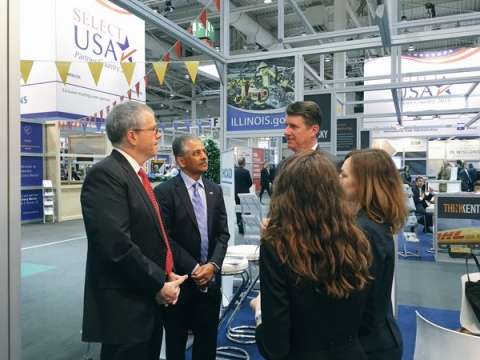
(314, 267)
(374, 187)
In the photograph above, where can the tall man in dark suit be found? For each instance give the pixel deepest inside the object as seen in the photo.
(302, 128)
(243, 182)
(195, 217)
(128, 276)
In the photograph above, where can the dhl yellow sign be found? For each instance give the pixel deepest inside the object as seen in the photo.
(469, 236)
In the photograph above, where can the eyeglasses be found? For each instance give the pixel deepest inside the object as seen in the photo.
(155, 130)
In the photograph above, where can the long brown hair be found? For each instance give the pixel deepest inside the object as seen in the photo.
(379, 187)
(313, 227)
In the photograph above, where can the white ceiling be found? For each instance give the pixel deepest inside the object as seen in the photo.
(254, 27)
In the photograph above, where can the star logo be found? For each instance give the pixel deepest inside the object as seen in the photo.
(126, 52)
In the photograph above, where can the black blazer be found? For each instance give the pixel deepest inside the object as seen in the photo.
(335, 160)
(300, 323)
(379, 330)
(181, 223)
(243, 182)
(264, 178)
(126, 255)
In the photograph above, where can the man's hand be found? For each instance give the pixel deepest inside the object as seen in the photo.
(170, 290)
(204, 274)
(255, 303)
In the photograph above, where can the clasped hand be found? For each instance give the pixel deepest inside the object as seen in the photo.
(203, 275)
(170, 290)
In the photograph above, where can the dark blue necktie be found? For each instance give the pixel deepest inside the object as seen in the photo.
(200, 214)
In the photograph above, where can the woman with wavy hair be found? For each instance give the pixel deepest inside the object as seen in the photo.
(314, 267)
(374, 187)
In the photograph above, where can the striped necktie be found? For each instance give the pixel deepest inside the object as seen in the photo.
(201, 221)
(149, 190)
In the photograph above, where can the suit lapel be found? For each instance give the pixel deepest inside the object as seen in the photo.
(210, 203)
(182, 192)
(139, 186)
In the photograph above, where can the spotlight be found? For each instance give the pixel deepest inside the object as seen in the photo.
(168, 7)
(328, 58)
(411, 48)
(403, 18)
(267, 1)
(304, 33)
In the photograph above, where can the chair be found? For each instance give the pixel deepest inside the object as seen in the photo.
(243, 334)
(410, 238)
(251, 228)
(434, 342)
(250, 204)
(232, 266)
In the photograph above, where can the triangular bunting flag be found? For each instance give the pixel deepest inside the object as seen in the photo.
(129, 94)
(128, 69)
(122, 98)
(62, 68)
(137, 89)
(115, 103)
(69, 125)
(108, 109)
(203, 17)
(146, 81)
(190, 29)
(95, 70)
(160, 69)
(192, 67)
(178, 49)
(25, 68)
(84, 123)
(167, 58)
(98, 125)
(101, 115)
(89, 121)
(217, 4)
(95, 117)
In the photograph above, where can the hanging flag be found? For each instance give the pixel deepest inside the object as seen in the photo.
(84, 123)
(95, 69)
(25, 68)
(98, 124)
(192, 67)
(199, 124)
(190, 29)
(160, 69)
(69, 125)
(62, 68)
(203, 17)
(101, 115)
(178, 49)
(163, 126)
(187, 125)
(115, 103)
(175, 126)
(146, 81)
(217, 4)
(128, 69)
(121, 98)
(89, 121)
(167, 58)
(108, 109)
(137, 88)
(129, 94)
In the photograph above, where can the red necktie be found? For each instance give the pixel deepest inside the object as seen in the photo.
(149, 190)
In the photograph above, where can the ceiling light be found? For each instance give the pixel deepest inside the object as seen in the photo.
(403, 18)
(267, 1)
(169, 7)
(411, 48)
(328, 58)
(304, 33)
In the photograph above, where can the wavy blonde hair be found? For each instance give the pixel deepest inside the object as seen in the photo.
(379, 187)
(313, 227)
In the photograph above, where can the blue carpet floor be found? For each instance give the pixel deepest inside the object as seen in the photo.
(425, 244)
(406, 321)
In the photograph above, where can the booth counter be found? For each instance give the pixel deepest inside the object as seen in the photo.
(457, 226)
